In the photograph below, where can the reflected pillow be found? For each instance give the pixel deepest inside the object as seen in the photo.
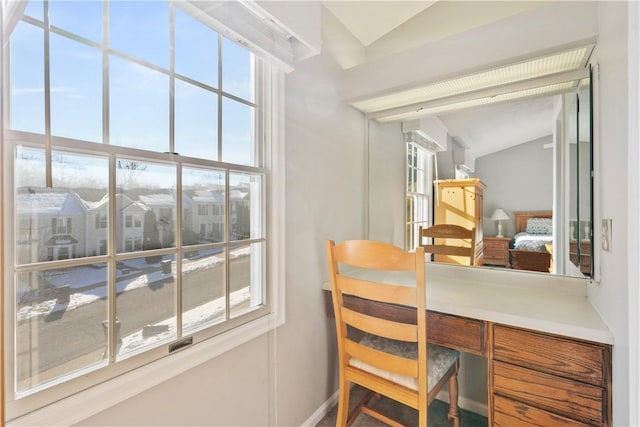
(539, 226)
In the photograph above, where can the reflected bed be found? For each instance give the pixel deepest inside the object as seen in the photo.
(532, 242)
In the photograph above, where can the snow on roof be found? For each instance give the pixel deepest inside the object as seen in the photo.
(140, 206)
(207, 196)
(238, 194)
(98, 204)
(60, 204)
(158, 200)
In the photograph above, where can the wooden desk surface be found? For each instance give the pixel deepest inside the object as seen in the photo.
(535, 301)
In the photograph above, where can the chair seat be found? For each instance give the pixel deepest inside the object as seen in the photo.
(440, 360)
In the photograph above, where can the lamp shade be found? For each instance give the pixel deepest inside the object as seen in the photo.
(499, 215)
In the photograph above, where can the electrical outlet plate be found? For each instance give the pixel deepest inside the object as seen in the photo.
(606, 235)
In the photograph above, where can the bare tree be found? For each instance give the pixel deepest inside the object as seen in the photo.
(128, 172)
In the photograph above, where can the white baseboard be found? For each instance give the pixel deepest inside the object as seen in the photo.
(321, 411)
(466, 404)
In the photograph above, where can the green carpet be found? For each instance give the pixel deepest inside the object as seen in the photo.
(437, 414)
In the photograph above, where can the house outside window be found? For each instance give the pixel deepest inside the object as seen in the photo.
(101, 221)
(102, 248)
(138, 153)
(60, 225)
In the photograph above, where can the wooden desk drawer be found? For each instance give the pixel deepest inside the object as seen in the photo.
(546, 353)
(559, 395)
(509, 413)
(456, 332)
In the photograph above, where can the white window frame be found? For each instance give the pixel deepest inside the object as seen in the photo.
(117, 388)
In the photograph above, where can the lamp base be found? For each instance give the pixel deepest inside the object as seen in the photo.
(499, 229)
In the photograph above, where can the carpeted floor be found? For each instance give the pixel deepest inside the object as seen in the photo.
(437, 414)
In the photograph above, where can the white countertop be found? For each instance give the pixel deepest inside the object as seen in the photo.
(537, 301)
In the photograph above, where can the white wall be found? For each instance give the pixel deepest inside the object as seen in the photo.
(281, 379)
(519, 178)
(325, 200)
(610, 296)
(387, 183)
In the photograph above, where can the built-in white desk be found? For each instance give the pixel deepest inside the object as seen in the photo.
(548, 350)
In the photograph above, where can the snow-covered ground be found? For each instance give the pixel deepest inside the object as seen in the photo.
(191, 319)
(84, 277)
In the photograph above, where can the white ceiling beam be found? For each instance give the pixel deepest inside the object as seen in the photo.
(484, 93)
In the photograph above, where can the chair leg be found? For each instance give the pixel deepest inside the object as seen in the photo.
(343, 404)
(454, 412)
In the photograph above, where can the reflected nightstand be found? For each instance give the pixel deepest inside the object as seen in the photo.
(496, 251)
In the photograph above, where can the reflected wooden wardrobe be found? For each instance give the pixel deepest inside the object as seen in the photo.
(460, 202)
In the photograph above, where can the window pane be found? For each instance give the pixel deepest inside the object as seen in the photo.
(196, 121)
(59, 323)
(146, 206)
(238, 133)
(59, 223)
(83, 18)
(203, 207)
(35, 9)
(148, 283)
(196, 49)
(203, 288)
(246, 276)
(27, 78)
(138, 107)
(245, 198)
(76, 90)
(237, 70)
(141, 29)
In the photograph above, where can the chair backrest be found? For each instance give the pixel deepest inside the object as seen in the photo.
(371, 255)
(451, 240)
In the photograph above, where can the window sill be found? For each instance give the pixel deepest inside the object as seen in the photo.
(76, 408)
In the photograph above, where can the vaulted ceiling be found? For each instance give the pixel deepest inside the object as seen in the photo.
(384, 28)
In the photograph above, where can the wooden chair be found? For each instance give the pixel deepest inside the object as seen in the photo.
(449, 231)
(393, 358)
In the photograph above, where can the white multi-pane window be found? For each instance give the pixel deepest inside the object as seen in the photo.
(419, 191)
(124, 122)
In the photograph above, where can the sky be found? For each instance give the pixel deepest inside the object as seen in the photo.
(139, 96)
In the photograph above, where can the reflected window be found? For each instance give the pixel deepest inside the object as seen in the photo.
(419, 184)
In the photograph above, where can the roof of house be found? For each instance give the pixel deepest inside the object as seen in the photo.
(50, 203)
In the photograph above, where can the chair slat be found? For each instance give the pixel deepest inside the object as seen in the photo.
(395, 294)
(381, 360)
(447, 250)
(375, 255)
(381, 327)
(443, 234)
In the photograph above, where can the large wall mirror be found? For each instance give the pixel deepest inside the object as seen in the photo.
(532, 155)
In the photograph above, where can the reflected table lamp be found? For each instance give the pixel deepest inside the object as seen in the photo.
(499, 215)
